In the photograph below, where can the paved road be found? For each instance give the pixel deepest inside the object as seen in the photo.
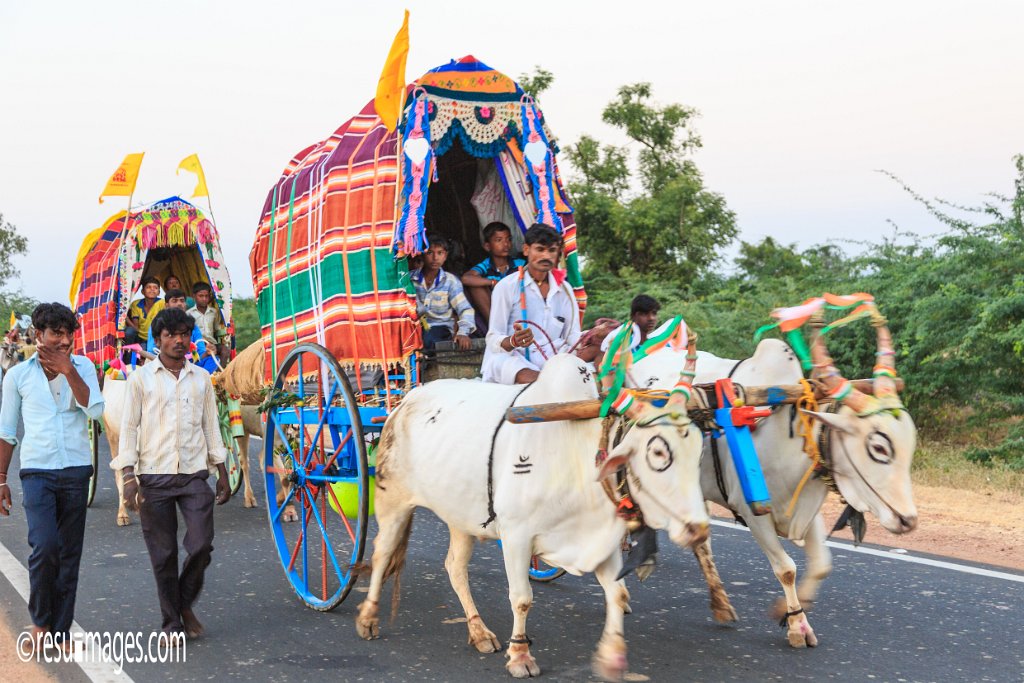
(879, 618)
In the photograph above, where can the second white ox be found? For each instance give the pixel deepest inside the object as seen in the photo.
(870, 443)
(533, 486)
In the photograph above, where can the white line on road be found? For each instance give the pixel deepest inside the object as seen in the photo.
(888, 554)
(15, 572)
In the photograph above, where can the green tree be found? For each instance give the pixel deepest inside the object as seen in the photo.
(537, 82)
(11, 244)
(648, 212)
(247, 321)
(768, 259)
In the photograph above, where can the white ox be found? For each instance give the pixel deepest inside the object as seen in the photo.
(442, 449)
(870, 464)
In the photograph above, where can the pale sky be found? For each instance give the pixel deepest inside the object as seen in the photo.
(801, 102)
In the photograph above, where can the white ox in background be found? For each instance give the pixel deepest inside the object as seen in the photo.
(870, 463)
(438, 449)
(244, 375)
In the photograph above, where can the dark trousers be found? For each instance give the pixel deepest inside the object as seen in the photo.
(164, 495)
(437, 333)
(55, 505)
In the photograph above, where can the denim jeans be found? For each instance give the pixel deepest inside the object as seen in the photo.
(437, 333)
(55, 505)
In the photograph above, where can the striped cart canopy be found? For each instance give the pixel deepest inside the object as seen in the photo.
(169, 236)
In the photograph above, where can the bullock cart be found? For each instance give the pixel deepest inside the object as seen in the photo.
(331, 263)
(168, 237)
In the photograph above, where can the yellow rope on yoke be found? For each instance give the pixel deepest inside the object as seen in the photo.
(805, 403)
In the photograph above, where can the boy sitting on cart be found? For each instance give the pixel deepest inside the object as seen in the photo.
(142, 312)
(481, 279)
(440, 299)
(210, 325)
(176, 299)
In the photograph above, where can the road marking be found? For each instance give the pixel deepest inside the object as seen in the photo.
(903, 556)
(17, 575)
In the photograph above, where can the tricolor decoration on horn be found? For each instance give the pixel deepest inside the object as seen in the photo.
(817, 359)
(618, 359)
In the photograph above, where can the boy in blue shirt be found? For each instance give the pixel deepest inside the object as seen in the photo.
(176, 299)
(439, 295)
(479, 280)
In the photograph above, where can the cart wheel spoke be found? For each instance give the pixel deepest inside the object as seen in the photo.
(322, 480)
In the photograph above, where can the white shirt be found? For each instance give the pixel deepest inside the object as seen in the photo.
(209, 323)
(558, 315)
(634, 338)
(170, 424)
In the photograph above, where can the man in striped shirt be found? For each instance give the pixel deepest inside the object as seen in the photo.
(170, 440)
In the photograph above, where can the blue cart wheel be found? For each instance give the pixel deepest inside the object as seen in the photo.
(94, 448)
(316, 468)
(542, 572)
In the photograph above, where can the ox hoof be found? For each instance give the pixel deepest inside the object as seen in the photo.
(800, 632)
(482, 638)
(123, 519)
(367, 621)
(609, 662)
(722, 610)
(523, 665)
(626, 609)
(289, 514)
(250, 501)
(779, 609)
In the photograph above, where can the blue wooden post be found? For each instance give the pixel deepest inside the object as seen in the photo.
(735, 421)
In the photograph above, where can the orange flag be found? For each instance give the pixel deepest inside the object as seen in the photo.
(391, 86)
(122, 182)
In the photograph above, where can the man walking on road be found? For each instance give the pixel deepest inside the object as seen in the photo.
(53, 392)
(170, 439)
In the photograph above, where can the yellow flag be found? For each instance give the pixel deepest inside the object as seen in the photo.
(122, 183)
(391, 86)
(192, 165)
(14, 321)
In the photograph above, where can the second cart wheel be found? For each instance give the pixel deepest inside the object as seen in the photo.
(94, 448)
(542, 572)
(315, 464)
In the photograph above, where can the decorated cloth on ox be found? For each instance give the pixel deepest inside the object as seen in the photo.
(330, 259)
(169, 236)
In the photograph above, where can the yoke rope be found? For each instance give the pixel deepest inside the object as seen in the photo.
(805, 403)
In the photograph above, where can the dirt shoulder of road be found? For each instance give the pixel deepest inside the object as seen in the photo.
(979, 526)
(10, 664)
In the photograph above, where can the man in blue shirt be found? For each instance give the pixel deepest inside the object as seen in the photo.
(54, 393)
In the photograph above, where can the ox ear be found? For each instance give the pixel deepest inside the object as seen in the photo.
(843, 423)
(616, 459)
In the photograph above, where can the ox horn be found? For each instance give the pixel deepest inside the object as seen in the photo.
(839, 388)
(885, 365)
(684, 387)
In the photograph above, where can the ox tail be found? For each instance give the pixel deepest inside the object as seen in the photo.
(396, 563)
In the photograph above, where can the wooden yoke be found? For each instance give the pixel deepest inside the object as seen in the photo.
(753, 396)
